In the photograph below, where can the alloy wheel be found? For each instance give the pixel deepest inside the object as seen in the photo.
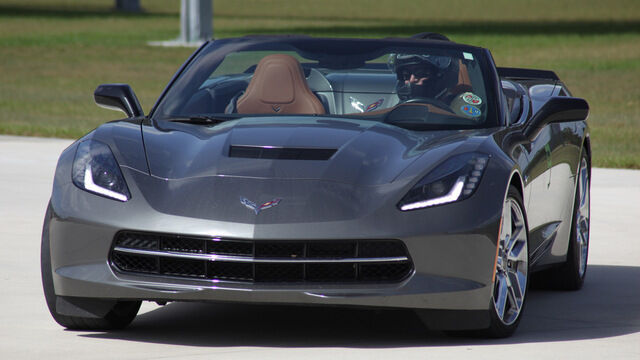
(582, 217)
(512, 268)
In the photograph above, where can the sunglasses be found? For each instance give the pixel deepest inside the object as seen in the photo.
(417, 71)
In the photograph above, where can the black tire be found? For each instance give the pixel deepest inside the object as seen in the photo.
(121, 315)
(504, 326)
(570, 275)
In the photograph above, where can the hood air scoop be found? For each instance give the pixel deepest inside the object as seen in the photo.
(280, 152)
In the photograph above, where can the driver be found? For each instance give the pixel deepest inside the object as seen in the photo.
(425, 76)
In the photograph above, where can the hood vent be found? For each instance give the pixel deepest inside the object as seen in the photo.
(280, 153)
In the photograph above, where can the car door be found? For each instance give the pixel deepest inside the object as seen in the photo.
(564, 150)
(534, 160)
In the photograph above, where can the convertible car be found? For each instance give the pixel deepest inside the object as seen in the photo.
(387, 173)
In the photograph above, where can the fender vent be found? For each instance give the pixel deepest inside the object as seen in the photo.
(280, 153)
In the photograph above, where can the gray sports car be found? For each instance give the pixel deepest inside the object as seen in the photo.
(393, 173)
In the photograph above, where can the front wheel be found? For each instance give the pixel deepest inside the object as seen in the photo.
(118, 314)
(511, 279)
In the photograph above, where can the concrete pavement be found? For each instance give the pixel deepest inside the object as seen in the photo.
(602, 320)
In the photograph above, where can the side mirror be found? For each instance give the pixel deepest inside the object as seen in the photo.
(118, 97)
(558, 109)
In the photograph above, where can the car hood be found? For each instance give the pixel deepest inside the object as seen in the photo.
(364, 152)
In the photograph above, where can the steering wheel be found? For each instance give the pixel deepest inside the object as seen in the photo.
(424, 100)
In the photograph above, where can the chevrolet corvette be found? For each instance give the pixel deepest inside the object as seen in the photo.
(403, 173)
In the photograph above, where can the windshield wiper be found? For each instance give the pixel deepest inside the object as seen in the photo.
(201, 119)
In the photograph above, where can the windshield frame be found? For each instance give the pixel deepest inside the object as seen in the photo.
(209, 56)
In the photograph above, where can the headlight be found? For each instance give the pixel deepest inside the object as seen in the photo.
(455, 179)
(95, 170)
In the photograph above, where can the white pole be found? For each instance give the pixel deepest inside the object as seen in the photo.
(196, 20)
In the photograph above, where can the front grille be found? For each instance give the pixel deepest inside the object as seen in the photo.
(182, 267)
(136, 263)
(237, 248)
(335, 261)
(183, 245)
(279, 250)
(229, 270)
(341, 249)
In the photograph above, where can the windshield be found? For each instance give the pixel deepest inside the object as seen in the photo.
(417, 85)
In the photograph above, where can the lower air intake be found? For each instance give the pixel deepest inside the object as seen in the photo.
(335, 261)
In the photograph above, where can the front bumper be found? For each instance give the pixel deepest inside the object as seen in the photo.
(452, 269)
(452, 247)
(79, 253)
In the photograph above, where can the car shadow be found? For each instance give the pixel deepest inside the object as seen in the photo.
(608, 305)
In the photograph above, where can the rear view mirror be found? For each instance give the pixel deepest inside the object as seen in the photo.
(118, 97)
(558, 109)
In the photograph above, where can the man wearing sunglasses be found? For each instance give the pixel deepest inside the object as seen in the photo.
(425, 76)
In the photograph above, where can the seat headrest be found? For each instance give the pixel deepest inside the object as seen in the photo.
(278, 86)
(464, 81)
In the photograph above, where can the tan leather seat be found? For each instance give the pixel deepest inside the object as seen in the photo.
(464, 81)
(278, 86)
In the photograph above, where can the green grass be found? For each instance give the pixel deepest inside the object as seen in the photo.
(54, 53)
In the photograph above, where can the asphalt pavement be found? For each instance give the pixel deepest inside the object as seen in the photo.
(600, 321)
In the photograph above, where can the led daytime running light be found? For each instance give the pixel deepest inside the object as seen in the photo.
(452, 196)
(96, 170)
(91, 186)
(455, 179)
